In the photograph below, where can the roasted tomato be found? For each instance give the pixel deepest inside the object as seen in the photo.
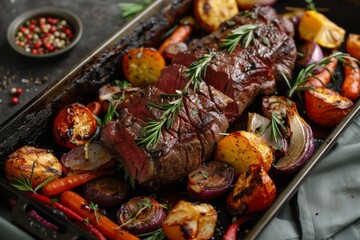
(253, 191)
(353, 45)
(106, 191)
(211, 180)
(142, 66)
(190, 221)
(26, 160)
(326, 107)
(74, 125)
(141, 214)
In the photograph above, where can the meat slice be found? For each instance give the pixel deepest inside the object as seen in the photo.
(181, 148)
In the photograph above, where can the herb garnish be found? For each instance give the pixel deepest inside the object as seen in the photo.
(276, 125)
(152, 130)
(309, 71)
(25, 184)
(95, 208)
(310, 5)
(129, 10)
(154, 235)
(243, 35)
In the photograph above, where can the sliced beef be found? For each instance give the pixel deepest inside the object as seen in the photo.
(181, 148)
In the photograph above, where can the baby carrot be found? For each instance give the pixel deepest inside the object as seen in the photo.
(323, 77)
(107, 227)
(351, 85)
(69, 182)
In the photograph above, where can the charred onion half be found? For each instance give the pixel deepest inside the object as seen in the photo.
(211, 180)
(301, 145)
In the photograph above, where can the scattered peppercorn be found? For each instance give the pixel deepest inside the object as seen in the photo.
(15, 101)
(44, 35)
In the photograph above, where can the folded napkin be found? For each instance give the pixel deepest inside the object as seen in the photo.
(327, 205)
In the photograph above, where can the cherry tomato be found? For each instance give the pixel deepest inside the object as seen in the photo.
(74, 125)
(326, 107)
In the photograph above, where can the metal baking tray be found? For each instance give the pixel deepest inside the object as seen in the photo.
(31, 125)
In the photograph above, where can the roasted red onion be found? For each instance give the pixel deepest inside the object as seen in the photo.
(309, 53)
(211, 180)
(106, 192)
(141, 215)
(80, 159)
(301, 145)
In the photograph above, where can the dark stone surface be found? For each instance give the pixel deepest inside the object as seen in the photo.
(100, 19)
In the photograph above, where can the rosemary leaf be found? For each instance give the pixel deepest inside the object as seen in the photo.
(243, 35)
(154, 235)
(309, 71)
(129, 10)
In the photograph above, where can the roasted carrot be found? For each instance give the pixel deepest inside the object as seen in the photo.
(323, 78)
(110, 229)
(94, 107)
(181, 33)
(70, 214)
(66, 183)
(351, 85)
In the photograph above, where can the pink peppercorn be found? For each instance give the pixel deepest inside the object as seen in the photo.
(15, 101)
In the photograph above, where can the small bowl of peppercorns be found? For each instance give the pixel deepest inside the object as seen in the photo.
(44, 32)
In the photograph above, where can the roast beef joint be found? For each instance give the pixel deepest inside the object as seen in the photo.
(232, 82)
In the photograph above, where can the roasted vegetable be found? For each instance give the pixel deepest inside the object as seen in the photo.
(314, 26)
(353, 45)
(326, 107)
(262, 127)
(210, 13)
(94, 107)
(322, 78)
(141, 214)
(106, 191)
(107, 227)
(301, 143)
(87, 158)
(39, 164)
(309, 53)
(248, 4)
(74, 125)
(190, 221)
(253, 191)
(211, 180)
(351, 84)
(60, 185)
(142, 66)
(242, 149)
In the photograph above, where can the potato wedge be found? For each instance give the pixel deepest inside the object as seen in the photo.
(211, 13)
(253, 191)
(20, 163)
(190, 221)
(142, 66)
(242, 149)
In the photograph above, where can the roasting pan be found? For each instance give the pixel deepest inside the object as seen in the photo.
(32, 124)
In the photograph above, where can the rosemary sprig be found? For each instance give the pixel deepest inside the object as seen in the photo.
(25, 184)
(152, 131)
(154, 235)
(309, 71)
(276, 125)
(243, 35)
(129, 10)
(197, 70)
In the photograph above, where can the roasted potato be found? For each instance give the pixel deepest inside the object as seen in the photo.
(190, 221)
(21, 162)
(142, 66)
(248, 4)
(253, 191)
(210, 13)
(242, 149)
(326, 107)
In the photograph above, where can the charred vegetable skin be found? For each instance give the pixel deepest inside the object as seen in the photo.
(253, 191)
(141, 214)
(326, 107)
(28, 161)
(210, 181)
(74, 125)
